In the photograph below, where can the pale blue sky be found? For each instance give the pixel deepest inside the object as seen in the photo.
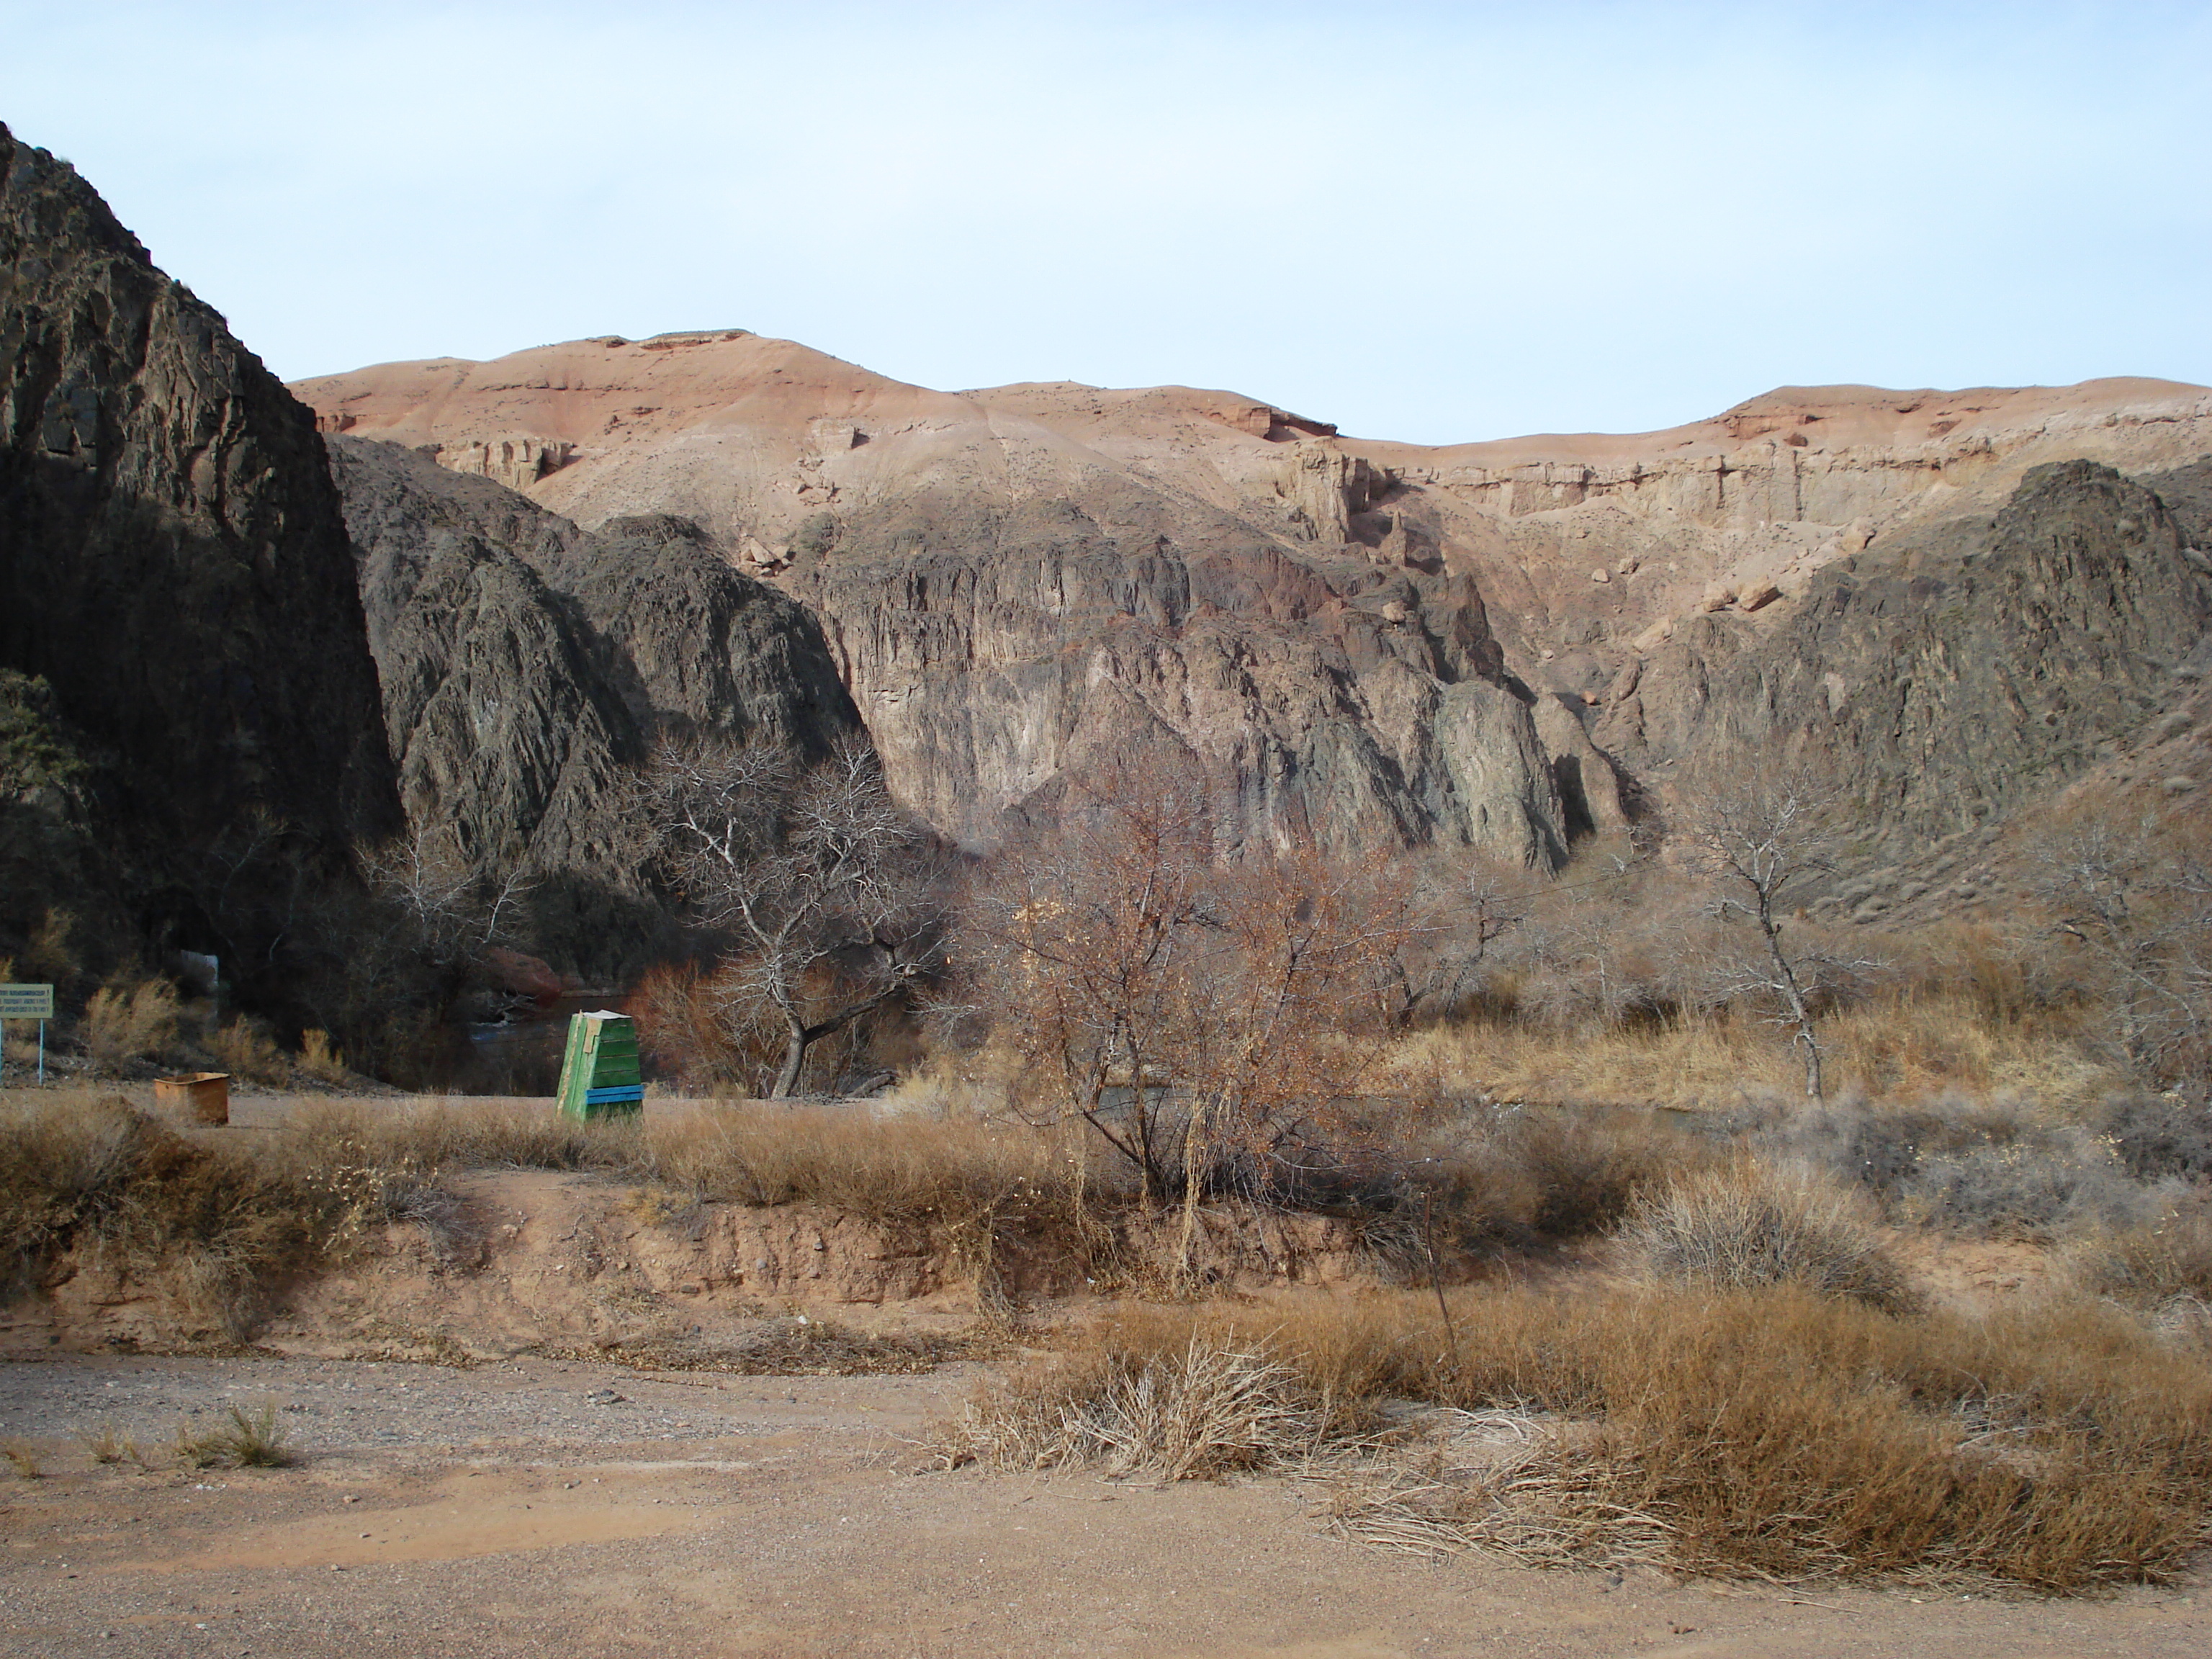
(1428, 221)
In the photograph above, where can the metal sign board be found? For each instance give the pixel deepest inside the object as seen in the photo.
(27, 1002)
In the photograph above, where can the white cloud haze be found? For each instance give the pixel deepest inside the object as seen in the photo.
(1428, 221)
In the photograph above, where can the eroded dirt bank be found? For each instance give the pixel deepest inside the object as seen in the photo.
(533, 1261)
(518, 1509)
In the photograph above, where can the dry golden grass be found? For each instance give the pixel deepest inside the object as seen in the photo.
(121, 1025)
(204, 1215)
(320, 1059)
(1206, 1409)
(105, 1446)
(893, 1170)
(1767, 1433)
(1890, 1049)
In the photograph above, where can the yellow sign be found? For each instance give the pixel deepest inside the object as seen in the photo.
(27, 1002)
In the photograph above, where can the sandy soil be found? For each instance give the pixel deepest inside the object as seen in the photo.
(523, 1508)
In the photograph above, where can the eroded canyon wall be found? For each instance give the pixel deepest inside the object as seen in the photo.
(1500, 644)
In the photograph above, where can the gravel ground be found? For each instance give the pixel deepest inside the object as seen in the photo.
(564, 1508)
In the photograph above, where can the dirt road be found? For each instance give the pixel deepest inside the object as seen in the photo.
(548, 1508)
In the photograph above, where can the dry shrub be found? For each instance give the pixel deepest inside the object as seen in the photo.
(685, 1023)
(1590, 1170)
(2159, 1136)
(320, 1061)
(2039, 1188)
(47, 956)
(1772, 1433)
(1978, 964)
(245, 1049)
(243, 1440)
(1484, 1177)
(1748, 1224)
(1989, 1167)
(122, 1025)
(2162, 1260)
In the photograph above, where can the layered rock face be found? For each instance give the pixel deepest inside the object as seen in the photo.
(173, 557)
(1385, 643)
(992, 646)
(526, 663)
(1953, 670)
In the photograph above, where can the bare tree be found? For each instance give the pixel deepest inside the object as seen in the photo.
(820, 880)
(1764, 845)
(2133, 901)
(1312, 949)
(1083, 937)
(1202, 1016)
(1460, 909)
(448, 911)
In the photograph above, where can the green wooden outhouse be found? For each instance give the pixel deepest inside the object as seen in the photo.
(599, 1076)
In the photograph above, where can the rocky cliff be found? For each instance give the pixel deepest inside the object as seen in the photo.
(527, 663)
(1951, 672)
(174, 563)
(1494, 643)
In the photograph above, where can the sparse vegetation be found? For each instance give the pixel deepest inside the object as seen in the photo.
(105, 1446)
(252, 1439)
(22, 1458)
(1152, 1046)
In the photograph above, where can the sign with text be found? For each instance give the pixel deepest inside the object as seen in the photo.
(27, 1002)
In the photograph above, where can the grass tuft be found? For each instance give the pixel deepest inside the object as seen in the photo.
(1206, 1410)
(244, 1440)
(1746, 1224)
(104, 1446)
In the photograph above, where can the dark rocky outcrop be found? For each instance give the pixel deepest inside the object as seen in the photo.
(174, 563)
(693, 643)
(527, 663)
(1946, 675)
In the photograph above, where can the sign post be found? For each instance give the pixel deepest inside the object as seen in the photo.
(30, 1002)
